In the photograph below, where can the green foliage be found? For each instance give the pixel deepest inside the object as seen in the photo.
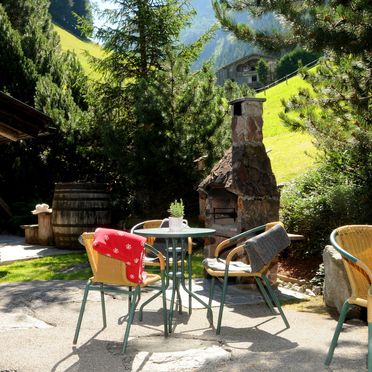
(156, 116)
(293, 60)
(342, 87)
(319, 202)
(338, 116)
(335, 110)
(66, 13)
(177, 209)
(262, 71)
(138, 38)
(334, 25)
(34, 69)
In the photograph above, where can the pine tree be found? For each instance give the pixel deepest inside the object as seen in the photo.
(337, 25)
(66, 14)
(263, 71)
(155, 115)
(34, 69)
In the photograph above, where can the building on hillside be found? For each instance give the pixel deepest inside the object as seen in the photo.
(244, 70)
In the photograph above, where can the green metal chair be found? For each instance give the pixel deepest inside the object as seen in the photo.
(223, 269)
(354, 243)
(109, 275)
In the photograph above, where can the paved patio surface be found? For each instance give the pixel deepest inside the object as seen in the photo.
(38, 319)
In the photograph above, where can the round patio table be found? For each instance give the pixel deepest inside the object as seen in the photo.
(176, 248)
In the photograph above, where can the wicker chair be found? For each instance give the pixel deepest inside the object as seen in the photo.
(354, 243)
(109, 275)
(223, 269)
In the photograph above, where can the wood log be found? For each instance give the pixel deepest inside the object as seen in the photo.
(45, 228)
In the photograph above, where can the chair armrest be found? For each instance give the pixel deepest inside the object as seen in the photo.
(135, 227)
(236, 238)
(369, 305)
(234, 252)
(189, 245)
(153, 250)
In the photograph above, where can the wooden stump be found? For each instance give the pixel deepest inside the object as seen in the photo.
(31, 234)
(45, 228)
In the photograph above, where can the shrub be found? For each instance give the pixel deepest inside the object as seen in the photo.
(319, 202)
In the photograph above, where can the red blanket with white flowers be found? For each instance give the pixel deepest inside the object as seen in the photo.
(125, 247)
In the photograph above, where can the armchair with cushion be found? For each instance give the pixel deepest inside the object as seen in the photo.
(261, 250)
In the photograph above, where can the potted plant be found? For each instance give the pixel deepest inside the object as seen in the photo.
(176, 210)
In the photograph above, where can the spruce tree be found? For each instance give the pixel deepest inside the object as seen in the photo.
(337, 25)
(66, 14)
(263, 71)
(155, 115)
(34, 69)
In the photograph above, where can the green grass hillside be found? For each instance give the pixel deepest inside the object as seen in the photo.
(80, 47)
(290, 151)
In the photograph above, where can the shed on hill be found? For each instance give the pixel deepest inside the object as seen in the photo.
(19, 121)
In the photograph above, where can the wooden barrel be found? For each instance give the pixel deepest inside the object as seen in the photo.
(78, 208)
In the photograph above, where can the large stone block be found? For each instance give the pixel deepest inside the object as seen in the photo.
(336, 284)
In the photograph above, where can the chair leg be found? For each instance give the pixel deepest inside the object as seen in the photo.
(140, 312)
(103, 306)
(369, 346)
(341, 319)
(132, 309)
(275, 299)
(179, 299)
(163, 291)
(211, 291)
(189, 268)
(265, 295)
(82, 308)
(369, 319)
(224, 290)
(129, 298)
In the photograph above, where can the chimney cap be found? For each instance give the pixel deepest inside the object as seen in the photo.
(247, 99)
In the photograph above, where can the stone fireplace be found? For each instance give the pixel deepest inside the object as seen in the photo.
(241, 191)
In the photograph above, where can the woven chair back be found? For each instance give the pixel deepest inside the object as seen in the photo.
(105, 269)
(356, 240)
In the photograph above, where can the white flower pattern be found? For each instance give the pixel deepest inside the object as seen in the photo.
(125, 247)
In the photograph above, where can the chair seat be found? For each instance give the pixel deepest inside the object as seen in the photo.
(216, 267)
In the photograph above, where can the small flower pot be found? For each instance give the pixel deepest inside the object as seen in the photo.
(176, 223)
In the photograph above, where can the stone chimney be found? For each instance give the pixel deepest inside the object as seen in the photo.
(241, 192)
(252, 177)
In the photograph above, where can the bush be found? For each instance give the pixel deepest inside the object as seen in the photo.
(319, 202)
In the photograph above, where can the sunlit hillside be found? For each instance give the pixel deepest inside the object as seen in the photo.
(80, 47)
(289, 151)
